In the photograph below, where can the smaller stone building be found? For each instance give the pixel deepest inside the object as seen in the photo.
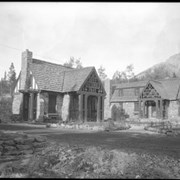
(47, 89)
(147, 99)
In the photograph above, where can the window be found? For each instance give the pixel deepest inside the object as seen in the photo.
(136, 91)
(120, 92)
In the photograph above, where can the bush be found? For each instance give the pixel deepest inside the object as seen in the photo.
(112, 126)
(5, 109)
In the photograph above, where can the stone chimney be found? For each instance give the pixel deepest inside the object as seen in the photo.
(26, 60)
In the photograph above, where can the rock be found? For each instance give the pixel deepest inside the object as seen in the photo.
(9, 142)
(27, 151)
(1, 148)
(19, 140)
(12, 153)
(38, 145)
(9, 148)
(40, 139)
(24, 147)
(1, 142)
(29, 140)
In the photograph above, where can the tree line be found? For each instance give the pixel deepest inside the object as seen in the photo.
(8, 82)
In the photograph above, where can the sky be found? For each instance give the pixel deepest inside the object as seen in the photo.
(112, 35)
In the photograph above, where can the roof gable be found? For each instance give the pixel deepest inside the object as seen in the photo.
(93, 84)
(166, 88)
(150, 92)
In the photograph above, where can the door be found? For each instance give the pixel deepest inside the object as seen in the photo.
(92, 108)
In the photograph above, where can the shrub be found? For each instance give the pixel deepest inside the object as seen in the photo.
(5, 109)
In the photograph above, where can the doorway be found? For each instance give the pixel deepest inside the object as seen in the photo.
(92, 108)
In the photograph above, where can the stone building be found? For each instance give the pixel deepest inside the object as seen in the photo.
(53, 90)
(147, 99)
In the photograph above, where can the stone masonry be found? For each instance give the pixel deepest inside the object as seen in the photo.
(15, 145)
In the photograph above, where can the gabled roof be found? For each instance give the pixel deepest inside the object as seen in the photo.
(74, 79)
(167, 89)
(58, 78)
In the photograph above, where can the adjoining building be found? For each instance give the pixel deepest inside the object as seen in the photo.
(148, 99)
(48, 89)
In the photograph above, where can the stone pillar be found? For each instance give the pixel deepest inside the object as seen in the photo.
(80, 107)
(98, 108)
(31, 106)
(38, 106)
(65, 108)
(85, 109)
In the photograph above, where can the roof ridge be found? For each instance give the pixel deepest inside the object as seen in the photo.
(77, 69)
(43, 61)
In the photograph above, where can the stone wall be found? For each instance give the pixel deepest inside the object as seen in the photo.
(59, 103)
(17, 102)
(65, 107)
(173, 109)
(74, 107)
(14, 145)
(107, 105)
(25, 63)
(129, 109)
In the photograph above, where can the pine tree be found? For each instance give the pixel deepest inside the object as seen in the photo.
(11, 77)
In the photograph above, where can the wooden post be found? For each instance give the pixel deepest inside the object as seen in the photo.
(98, 109)
(161, 110)
(143, 109)
(157, 109)
(85, 109)
(139, 108)
(102, 108)
(80, 107)
(31, 106)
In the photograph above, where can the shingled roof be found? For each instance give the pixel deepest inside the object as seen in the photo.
(58, 78)
(167, 88)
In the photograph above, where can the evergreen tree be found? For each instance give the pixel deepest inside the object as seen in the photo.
(11, 77)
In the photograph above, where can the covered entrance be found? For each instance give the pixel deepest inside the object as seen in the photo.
(92, 108)
(29, 105)
(152, 104)
(91, 99)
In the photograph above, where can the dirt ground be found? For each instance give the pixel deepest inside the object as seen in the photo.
(132, 140)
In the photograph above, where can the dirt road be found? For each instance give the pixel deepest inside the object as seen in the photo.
(128, 140)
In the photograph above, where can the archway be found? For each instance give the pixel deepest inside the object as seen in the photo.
(92, 108)
(150, 110)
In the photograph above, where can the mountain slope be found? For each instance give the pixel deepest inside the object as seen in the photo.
(169, 68)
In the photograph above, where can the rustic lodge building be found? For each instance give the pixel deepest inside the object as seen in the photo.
(56, 91)
(158, 99)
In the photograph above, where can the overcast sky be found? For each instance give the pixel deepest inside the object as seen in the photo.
(113, 35)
